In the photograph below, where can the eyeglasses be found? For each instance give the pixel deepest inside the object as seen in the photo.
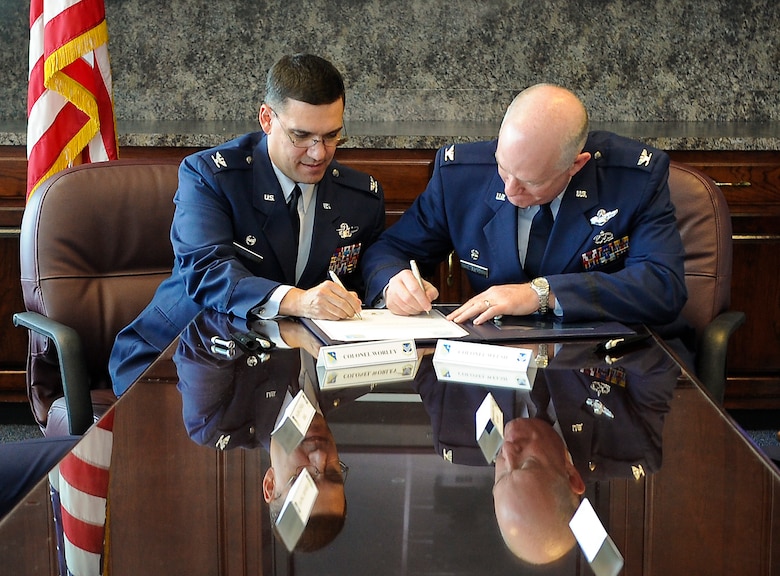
(304, 140)
(331, 474)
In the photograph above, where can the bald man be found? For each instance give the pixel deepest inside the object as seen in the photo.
(613, 253)
(536, 491)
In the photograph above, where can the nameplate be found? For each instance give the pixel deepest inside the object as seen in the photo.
(361, 375)
(465, 374)
(366, 354)
(294, 423)
(486, 355)
(296, 509)
(490, 428)
(599, 549)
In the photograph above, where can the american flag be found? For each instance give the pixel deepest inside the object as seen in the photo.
(79, 489)
(70, 107)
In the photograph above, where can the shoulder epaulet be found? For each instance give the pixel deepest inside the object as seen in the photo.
(613, 150)
(467, 153)
(220, 160)
(351, 178)
(235, 154)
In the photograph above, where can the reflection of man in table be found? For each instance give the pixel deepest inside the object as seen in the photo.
(536, 491)
(232, 400)
(587, 418)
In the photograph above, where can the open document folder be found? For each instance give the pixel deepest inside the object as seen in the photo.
(381, 324)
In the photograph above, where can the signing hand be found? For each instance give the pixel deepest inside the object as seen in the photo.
(326, 301)
(405, 297)
(509, 299)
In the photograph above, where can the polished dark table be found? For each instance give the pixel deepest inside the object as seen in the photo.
(678, 487)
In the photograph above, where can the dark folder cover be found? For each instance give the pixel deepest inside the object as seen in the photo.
(514, 328)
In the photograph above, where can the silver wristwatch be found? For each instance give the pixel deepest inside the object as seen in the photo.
(542, 289)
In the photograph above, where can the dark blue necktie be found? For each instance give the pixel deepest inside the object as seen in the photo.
(537, 240)
(292, 208)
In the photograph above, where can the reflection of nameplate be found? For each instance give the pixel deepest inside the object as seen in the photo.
(296, 509)
(599, 549)
(488, 355)
(361, 375)
(462, 373)
(366, 354)
(490, 428)
(294, 422)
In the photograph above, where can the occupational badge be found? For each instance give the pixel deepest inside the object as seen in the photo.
(346, 231)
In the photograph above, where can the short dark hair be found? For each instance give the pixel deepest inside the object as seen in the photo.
(303, 77)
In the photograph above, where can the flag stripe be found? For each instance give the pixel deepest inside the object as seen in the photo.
(69, 57)
(84, 535)
(81, 562)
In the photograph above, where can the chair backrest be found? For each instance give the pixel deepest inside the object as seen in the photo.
(95, 244)
(705, 226)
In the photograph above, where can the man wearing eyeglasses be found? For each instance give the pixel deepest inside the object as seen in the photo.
(263, 220)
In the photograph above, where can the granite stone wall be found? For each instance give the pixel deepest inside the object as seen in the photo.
(414, 60)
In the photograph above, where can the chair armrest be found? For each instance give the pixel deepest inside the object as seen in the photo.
(711, 355)
(73, 371)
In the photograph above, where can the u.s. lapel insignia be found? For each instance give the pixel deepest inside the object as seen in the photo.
(326, 205)
(219, 160)
(603, 237)
(269, 198)
(576, 427)
(346, 231)
(449, 153)
(602, 217)
(581, 193)
(644, 158)
(373, 185)
(500, 196)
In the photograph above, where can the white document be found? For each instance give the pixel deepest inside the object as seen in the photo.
(384, 325)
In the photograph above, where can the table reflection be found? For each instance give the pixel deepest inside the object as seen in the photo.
(585, 418)
(233, 397)
(195, 474)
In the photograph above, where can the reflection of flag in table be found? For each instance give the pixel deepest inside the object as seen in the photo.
(79, 495)
(69, 104)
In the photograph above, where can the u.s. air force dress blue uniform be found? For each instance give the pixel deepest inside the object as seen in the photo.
(234, 244)
(615, 227)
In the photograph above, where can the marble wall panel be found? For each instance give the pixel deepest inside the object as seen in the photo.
(629, 60)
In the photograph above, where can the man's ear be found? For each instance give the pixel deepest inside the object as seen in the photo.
(580, 161)
(575, 479)
(264, 117)
(269, 485)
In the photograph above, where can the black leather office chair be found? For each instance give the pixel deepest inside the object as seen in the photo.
(94, 247)
(705, 226)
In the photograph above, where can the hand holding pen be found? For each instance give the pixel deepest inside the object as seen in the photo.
(418, 277)
(337, 281)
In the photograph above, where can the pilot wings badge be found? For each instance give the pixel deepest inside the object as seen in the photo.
(602, 217)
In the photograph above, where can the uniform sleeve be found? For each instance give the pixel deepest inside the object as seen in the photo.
(421, 234)
(202, 238)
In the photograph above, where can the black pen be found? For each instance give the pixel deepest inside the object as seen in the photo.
(620, 343)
